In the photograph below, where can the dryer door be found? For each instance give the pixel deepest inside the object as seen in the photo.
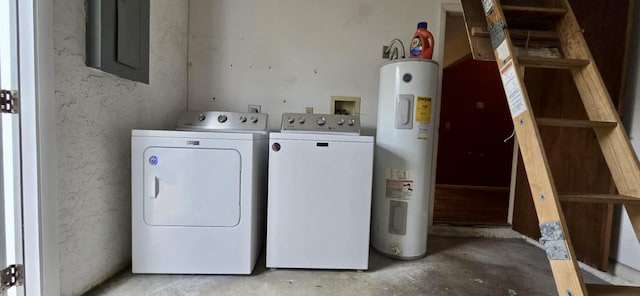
(191, 187)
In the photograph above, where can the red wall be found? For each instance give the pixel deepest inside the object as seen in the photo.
(472, 151)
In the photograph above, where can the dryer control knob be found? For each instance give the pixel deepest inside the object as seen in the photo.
(243, 119)
(341, 121)
(201, 117)
(291, 119)
(254, 119)
(351, 122)
(301, 120)
(321, 121)
(222, 118)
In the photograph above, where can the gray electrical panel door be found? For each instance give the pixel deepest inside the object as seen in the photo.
(118, 37)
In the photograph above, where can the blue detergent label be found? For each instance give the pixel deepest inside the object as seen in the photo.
(416, 46)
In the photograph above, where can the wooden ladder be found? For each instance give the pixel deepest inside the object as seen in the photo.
(555, 41)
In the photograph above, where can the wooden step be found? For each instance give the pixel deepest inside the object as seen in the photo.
(607, 290)
(601, 198)
(533, 11)
(621, 159)
(531, 34)
(574, 123)
(551, 63)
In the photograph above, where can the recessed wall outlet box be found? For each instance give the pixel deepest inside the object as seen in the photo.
(345, 105)
(385, 52)
(308, 110)
(254, 109)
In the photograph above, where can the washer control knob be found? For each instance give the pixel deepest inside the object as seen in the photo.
(351, 122)
(341, 121)
(291, 119)
(222, 118)
(301, 120)
(243, 118)
(201, 117)
(254, 119)
(321, 121)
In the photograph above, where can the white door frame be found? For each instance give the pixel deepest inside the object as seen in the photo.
(38, 147)
(457, 8)
(11, 235)
(439, 56)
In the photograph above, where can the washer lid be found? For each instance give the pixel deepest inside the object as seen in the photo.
(334, 137)
(251, 136)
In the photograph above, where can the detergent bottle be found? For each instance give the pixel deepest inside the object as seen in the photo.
(421, 43)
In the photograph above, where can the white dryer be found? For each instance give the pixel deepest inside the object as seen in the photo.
(198, 194)
(319, 202)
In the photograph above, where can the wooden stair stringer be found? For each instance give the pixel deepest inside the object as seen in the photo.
(615, 144)
(543, 189)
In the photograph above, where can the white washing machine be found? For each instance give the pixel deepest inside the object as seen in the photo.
(198, 194)
(319, 202)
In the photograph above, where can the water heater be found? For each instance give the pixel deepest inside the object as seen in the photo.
(403, 157)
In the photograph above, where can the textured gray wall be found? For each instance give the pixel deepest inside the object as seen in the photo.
(96, 112)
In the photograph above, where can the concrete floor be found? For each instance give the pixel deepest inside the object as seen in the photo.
(453, 266)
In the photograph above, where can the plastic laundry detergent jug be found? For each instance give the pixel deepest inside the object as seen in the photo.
(421, 43)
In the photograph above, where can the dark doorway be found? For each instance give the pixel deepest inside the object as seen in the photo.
(474, 160)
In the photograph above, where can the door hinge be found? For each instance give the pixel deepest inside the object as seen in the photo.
(12, 276)
(8, 101)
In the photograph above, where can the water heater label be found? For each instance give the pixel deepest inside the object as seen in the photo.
(423, 110)
(399, 174)
(423, 117)
(399, 189)
(513, 90)
(399, 184)
(423, 131)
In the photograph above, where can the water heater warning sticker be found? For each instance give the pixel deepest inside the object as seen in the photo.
(399, 174)
(423, 131)
(399, 189)
(423, 117)
(423, 110)
(399, 184)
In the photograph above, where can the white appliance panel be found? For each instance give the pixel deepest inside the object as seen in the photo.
(319, 202)
(239, 158)
(181, 190)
